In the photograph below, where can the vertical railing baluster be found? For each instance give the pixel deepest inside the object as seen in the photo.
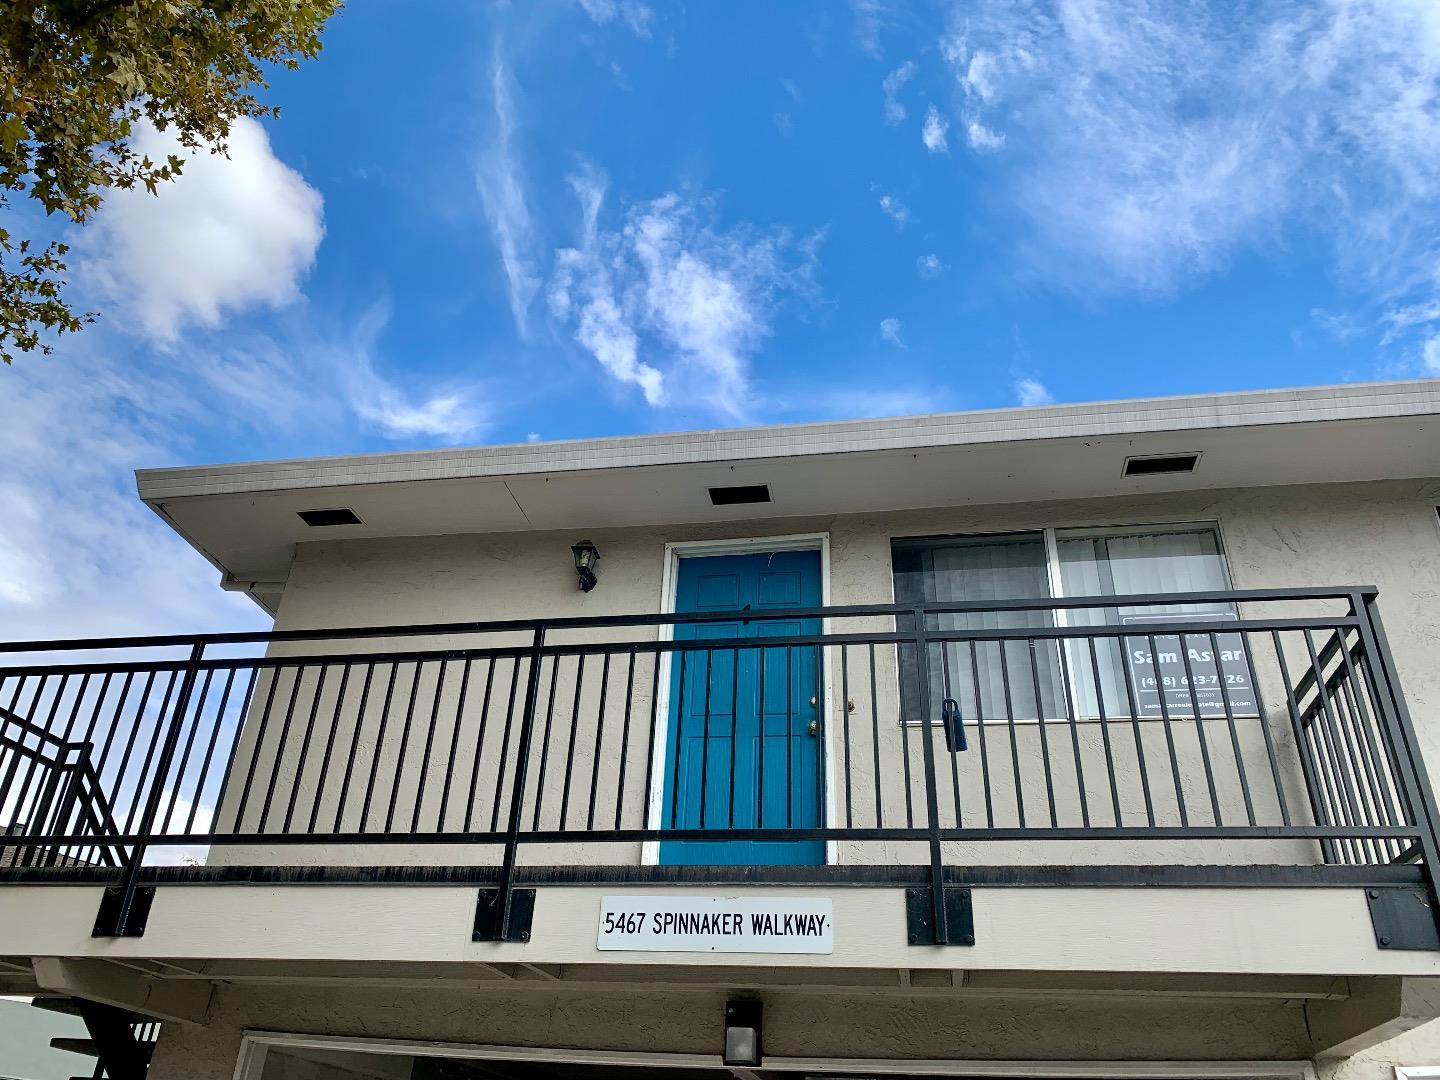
(1264, 722)
(429, 745)
(1044, 737)
(1132, 698)
(1169, 731)
(1104, 729)
(1302, 748)
(625, 738)
(1234, 734)
(479, 743)
(845, 720)
(505, 737)
(980, 728)
(599, 740)
(1409, 766)
(493, 923)
(1200, 730)
(118, 924)
(875, 738)
(545, 739)
(932, 800)
(570, 751)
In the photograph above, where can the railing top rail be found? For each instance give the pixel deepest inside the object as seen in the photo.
(1343, 592)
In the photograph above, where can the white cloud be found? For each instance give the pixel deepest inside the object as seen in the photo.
(982, 139)
(1430, 354)
(665, 283)
(500, 179)
(930, 266)
(634, 14)
(892, 85)
(81, 556)
(449, 415)
(869, 20)
(1032, 392)
(230, 233)
(932, 134)
(890, 330)
(894, 209)
(1150, 143)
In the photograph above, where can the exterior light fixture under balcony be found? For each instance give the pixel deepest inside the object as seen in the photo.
(587, 555)
(742, 1033)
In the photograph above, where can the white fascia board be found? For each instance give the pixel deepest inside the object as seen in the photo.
(1172, 414)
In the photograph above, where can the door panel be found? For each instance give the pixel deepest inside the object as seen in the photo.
(732, 762)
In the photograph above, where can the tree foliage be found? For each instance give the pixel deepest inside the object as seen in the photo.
(77, 77)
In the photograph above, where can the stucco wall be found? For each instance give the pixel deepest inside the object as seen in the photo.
(1382, 534)
(800, 1024)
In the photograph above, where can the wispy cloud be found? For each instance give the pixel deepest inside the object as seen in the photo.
(891, 85)
(1032, 392)
(80, 556)
(933, 132)
(895, 210)
(634, 14)
(232, 232)
(981, 139)
(500, 179)
(869, 21)
(930, 266)
(669, 284)
(890, 330)
(1148, 144)
(449, 415)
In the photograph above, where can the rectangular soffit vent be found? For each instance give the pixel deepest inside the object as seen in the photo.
(317, 519)
(736, 496)
(1154, 464)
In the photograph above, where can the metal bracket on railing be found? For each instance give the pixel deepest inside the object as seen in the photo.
(117, 918)
(920, 917)
(490, 916)
(1403, 918)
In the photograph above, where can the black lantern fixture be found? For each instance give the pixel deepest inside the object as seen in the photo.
(742, 1033)
(586, 556)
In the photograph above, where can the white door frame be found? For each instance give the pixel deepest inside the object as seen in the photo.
(669, 578)
(254, 1045)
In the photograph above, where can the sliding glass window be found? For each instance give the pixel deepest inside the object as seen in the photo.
(1025, 679)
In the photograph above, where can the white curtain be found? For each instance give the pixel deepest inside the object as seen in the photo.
(989, 569)
(1118, 564)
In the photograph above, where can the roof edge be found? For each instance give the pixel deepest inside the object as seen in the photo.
(1355, 401)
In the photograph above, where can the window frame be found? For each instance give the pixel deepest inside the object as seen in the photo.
(1051, 535)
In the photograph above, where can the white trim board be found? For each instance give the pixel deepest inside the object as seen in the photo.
(254, 1045)
(669, 579)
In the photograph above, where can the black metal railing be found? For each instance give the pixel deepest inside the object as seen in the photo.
(1247, 730)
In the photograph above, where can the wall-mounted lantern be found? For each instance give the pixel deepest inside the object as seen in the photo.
(587, 555)
(742, 1033)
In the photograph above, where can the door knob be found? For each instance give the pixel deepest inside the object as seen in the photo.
(814, 727)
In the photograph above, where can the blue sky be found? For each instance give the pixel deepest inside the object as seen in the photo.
(487, 222)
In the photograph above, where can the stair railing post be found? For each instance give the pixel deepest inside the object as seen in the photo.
(1395, 715)
(495, 916)
(118, 915)
(932, 800)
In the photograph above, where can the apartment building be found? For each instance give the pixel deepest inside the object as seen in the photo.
(1073, 741)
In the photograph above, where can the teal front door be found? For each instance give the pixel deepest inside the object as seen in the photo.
(744, 722)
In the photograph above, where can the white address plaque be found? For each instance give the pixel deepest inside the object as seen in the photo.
(716, 924)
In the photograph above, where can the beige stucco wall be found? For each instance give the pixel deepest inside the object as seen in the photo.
(1383, 534)
(800, 1024)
